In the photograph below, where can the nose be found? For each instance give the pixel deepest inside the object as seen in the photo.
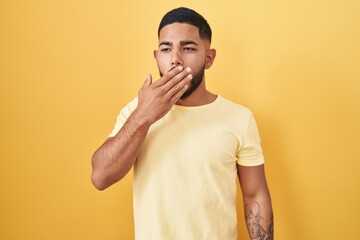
(176, 59)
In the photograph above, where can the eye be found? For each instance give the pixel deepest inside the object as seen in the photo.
(165, 50)
(189, 49)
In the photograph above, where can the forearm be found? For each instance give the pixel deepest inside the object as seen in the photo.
(113, 160)
(259, 216)
(257, 202)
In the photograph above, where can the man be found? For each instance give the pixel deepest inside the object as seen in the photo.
(187, 146)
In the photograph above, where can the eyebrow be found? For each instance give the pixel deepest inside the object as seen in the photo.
(182, 43)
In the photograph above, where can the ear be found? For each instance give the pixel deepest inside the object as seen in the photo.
(155, 54)
(210, 57)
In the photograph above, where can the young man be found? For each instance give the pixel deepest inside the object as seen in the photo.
(187, 146)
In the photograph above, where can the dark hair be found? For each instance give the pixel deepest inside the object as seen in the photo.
(186, 15)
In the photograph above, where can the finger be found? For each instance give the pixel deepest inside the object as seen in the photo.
(183, 76)
(178, 94)
(169, 75)
(147, 82)
(179, 88)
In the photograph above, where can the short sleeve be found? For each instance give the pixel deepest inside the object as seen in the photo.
(123, 116)
(250, 152)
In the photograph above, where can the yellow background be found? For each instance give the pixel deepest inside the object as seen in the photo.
(67, 67)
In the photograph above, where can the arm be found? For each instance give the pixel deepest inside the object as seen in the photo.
(257, 202)
(115, 157)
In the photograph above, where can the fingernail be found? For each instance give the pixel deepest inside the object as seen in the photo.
(188, 69)
(190, 76)
(180, 68)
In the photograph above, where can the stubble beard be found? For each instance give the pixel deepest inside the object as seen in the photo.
(194, 83)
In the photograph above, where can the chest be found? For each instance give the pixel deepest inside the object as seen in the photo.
(191, 142)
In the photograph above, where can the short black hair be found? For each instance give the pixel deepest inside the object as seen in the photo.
(186, 15)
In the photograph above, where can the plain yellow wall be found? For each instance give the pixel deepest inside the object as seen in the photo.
(67, 67)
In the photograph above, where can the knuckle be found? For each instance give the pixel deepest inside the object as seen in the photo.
(162, 91)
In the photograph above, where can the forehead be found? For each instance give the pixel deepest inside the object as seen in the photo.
(178, 32)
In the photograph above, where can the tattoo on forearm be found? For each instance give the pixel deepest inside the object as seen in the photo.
(253, 217)
(270, 231)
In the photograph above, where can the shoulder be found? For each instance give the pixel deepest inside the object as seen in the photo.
(233, 107)
(133, 103)
(130, 106)
(127, 110)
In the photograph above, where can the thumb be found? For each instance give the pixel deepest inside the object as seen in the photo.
(148, 81)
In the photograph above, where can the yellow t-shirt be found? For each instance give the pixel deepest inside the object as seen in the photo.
(185, 176)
